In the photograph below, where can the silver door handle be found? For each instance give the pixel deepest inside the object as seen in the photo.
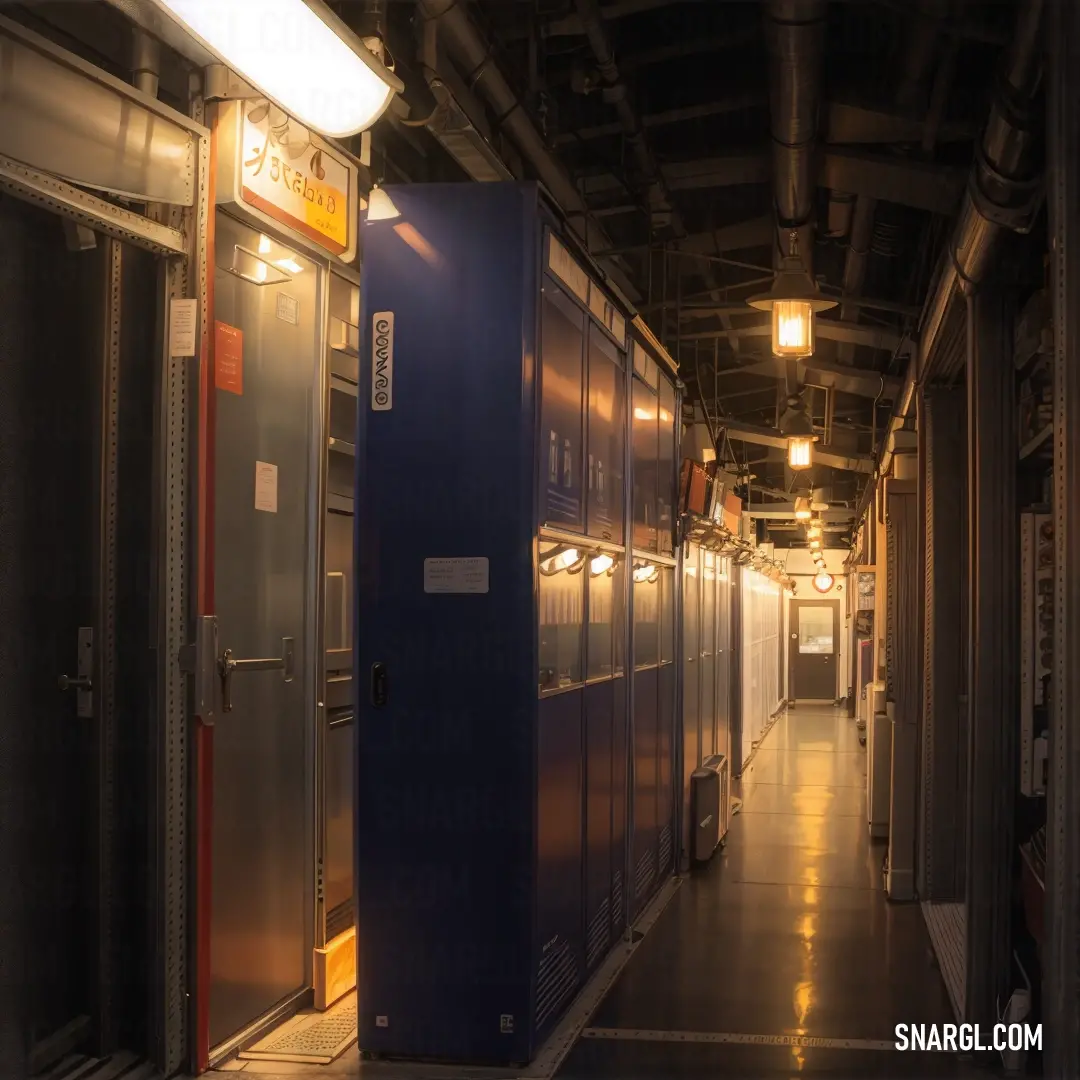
(228, 665)
(66, 682)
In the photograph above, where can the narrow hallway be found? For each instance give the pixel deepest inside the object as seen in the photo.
(786, 933)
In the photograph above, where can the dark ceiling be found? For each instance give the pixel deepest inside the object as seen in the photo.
(671, 147)
(903, 92)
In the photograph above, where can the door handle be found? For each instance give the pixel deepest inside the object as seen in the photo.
(228, 666)
(82, 682)
(380, 690)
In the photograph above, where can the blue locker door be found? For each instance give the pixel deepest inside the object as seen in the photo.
(619, 795)
(560, 929)
(646, 760)
(599, 714)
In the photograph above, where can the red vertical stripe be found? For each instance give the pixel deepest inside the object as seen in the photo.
(204, 731)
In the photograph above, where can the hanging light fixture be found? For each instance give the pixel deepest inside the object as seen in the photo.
(793, 301)
(802, 509)
(813, 530)
(799, 429)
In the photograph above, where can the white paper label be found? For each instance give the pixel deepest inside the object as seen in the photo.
(382, 361)
(183, 318)
(288, 309)
(265, 487)
(456, 575)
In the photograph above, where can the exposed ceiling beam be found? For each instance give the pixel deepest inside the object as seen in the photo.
(832, 517)
(766, 436)
(747, 35)
(828, 329)
(571, 26)
(923, 185)
(735, 103)
(739, 236)
(701, 311)
(846, 123)
(728, 171)
(838, 377)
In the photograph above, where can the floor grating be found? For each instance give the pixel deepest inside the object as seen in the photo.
(310, 1038)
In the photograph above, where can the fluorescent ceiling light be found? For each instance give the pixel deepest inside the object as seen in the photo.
(291, 51)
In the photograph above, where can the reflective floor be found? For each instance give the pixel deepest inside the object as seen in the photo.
(786, 933)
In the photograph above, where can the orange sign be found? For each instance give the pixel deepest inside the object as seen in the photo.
(228, 358)
(288, 177)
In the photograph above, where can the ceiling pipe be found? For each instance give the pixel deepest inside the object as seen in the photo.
(862, 231)
(795, 35)
(1000, 197)
(617, 92)
(915, 76)
(467, 46)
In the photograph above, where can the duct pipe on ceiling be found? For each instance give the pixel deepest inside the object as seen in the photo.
(911, 90)
(862, 231)
(1000, 197)
(592, 22)
(795, 33)
(484, 76)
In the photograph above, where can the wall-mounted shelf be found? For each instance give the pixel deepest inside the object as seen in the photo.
(340, 446)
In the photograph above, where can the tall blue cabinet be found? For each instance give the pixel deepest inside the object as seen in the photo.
(516, 481)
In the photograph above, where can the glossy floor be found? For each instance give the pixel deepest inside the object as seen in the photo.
(786, 933)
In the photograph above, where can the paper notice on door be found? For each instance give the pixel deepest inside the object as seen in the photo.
(183, 318)
(228, 358)
(456, 575)
(265, 487)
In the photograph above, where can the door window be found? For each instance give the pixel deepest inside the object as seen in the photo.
(815, 630)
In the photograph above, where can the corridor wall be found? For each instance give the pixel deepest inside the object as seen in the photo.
(761, 693)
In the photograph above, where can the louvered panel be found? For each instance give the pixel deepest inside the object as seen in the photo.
(924, 866)
(904, 605)
(943, 743)
(949, 355)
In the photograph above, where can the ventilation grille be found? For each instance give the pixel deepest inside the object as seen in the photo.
(556, 980)
(599, 934)
(645, 873)
(617, 900)
(665, 847)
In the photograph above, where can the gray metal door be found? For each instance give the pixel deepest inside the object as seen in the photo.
(814, 649)
(267, 331)
(55, 689)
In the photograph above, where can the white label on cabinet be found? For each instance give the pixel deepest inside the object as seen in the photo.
(183, 318)
(382, 361)
(265, 487)
(468, 575)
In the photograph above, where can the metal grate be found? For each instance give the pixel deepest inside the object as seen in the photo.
(665, 848)
(617, 899)
(555, 981)
(312, 1038)
(947, 924)
(599, 932)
